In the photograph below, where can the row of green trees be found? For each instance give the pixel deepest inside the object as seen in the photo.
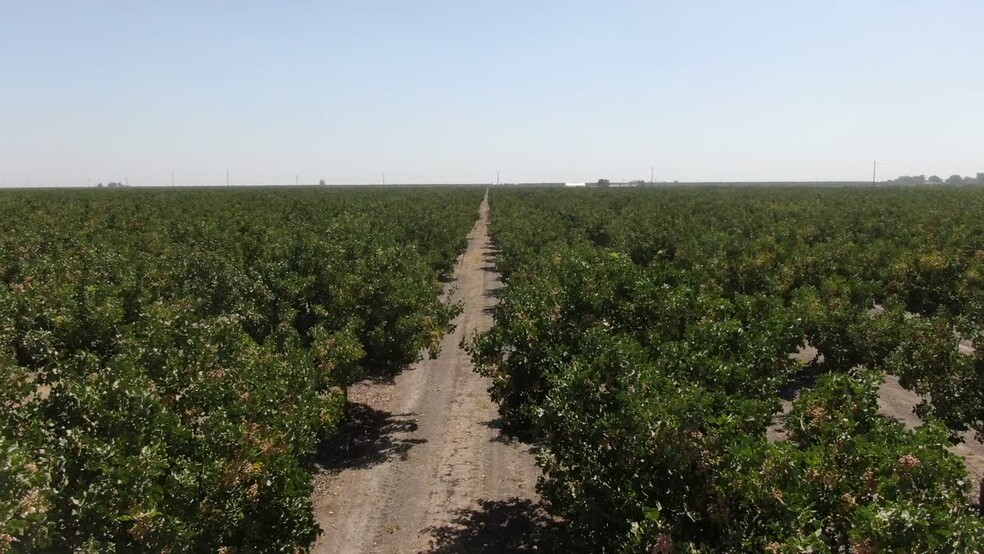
(644, 339)
(171, 359)
(936, 180)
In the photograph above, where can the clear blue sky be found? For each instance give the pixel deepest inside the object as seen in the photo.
(451, 91)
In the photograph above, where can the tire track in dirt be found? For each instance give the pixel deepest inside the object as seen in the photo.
(425, 468)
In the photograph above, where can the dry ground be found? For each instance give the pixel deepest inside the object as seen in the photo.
(423, 466)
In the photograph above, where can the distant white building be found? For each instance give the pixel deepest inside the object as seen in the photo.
(575, 184)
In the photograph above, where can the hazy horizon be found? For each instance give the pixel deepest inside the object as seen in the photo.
(446, 92)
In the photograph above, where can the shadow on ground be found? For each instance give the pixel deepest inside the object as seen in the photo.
(489, 257)
(495, 292)
(803, 380)
(508, 434)
(514, 525)
(367, 438)
(489, 310)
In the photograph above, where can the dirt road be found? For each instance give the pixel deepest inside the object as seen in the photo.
(424, 467)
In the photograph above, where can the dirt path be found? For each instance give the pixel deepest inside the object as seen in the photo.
(424, 467)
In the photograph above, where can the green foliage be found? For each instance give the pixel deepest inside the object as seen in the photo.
(644, 338)
(170, 358)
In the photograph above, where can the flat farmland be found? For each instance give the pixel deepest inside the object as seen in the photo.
(777, 369)
(424, 369)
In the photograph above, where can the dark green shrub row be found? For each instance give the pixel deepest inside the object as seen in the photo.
(173, 356)
(649, 365)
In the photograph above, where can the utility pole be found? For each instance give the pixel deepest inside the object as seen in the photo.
(295, 180)
(497, 177)
(384, 178)
(652, 174)
(874, 171)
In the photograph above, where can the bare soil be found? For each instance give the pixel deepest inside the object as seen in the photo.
(422, 465)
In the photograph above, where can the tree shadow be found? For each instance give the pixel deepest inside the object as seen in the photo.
(490, 255)
(367, 437)
(511, 434)
(513, 525)
(379, 378)
(805, 379)
(495, 292)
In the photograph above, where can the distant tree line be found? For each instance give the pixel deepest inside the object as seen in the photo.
(112, 185)
(936, 180)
